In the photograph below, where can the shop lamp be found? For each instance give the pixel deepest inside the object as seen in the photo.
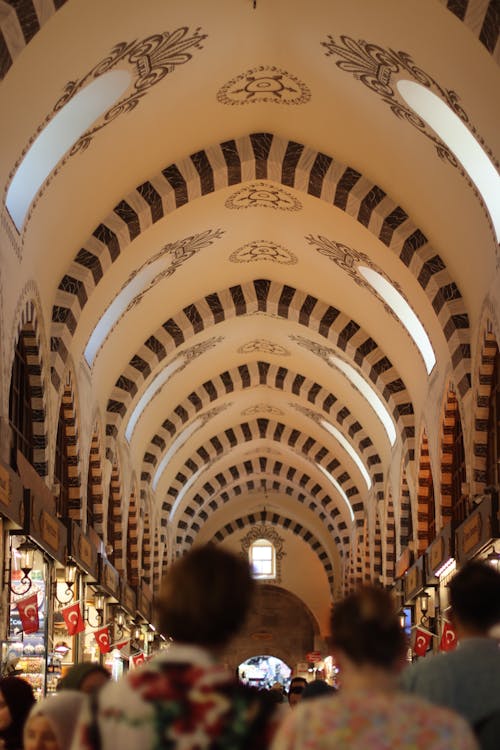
(493, 558)
(99, 608)
(26, 551)
(119, 621)
(424, 602)
(402, 618)
(69, 579)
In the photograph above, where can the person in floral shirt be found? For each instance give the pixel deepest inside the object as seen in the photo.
(368, 711)
(183, 699)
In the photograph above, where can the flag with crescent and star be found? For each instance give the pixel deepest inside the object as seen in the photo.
(138, 659)
(102, 639)
(448, 640)
(73, 619)
(28, 612)
(422, 641)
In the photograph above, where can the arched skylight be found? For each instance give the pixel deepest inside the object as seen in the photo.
(339, 489)
(59, 136)
(370, 395)
(402, 309)
(148, 394)
(452, 131)
(349, 449)
(185, 435)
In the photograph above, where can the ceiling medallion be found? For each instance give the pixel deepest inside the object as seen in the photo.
(263, 195)
(263, 250)
(262, 409)
(195, 351)
(263, 345)
(265, 84)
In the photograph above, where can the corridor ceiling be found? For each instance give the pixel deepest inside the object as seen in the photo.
(203, 253)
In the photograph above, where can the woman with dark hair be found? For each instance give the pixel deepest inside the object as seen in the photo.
(184, 697)
(16, 700)
(368, 711)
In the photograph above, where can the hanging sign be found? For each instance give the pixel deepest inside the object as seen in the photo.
(73, 618)
(28, 612)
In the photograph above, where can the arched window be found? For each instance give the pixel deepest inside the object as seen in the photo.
(61, 472)
(493, 453)
(262, 556)
(20, 410)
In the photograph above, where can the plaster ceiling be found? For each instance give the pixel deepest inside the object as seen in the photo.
(262, 153)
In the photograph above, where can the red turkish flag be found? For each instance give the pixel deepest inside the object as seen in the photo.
(102, 639)
(422, 641)
(448, 640)
(138, 659)
(73, 619)
(28, 612)
(120, 644)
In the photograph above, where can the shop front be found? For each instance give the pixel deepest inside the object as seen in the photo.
(478, 536)
(35, 553)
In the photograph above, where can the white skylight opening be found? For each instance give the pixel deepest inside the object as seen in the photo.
(452, 131)
(173, 449)
(369, 394)
(349, 449)
(59, 136)
(148, 394)
(402, 309)
(117, 308)
(184, 489)
(339, 489)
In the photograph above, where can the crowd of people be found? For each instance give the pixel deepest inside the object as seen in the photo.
(185, 698)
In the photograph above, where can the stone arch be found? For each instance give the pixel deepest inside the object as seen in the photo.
(68, 411)
(405, 515)
(209, 500)
(265, 295)
(225, 441)
(264, 517)
(451, 421)
(146, 561)
(28, 328)
(488, 351)
(377, 548)
(390, 541)
(265, 156)
(114, 532)
(250, 375)
(132, 542)
(425, 499)
(18, 26)
(95, 483)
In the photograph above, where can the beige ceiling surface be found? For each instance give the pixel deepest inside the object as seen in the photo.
(263, 154)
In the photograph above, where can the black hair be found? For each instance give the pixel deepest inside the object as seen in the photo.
(475, 595)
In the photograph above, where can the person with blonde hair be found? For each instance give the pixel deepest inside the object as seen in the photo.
(368, 711)
(51, 722)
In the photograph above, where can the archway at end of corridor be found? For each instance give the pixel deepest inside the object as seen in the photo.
(263, 671)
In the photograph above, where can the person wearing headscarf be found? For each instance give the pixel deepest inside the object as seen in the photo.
(51, 722)
(16, 700)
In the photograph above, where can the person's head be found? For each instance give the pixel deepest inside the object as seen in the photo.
(316, 689)
(295, 690)
(16, 700)
(475, 597)
(205, 597)
(86, 677)
(51, 722)
(365, 628)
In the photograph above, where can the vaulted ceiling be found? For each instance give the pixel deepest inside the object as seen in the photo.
(196, 254)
